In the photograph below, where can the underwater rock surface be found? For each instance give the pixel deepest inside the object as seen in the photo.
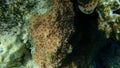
(59, 34)
(15, 45)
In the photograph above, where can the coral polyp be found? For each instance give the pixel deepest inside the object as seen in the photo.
(50, 31)
(87, 6)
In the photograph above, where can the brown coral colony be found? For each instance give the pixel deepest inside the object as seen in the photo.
(50, 30)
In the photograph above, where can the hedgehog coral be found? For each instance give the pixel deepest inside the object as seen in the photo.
(50, 31)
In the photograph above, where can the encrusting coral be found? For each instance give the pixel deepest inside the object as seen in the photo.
(87, 6)
(50, 31)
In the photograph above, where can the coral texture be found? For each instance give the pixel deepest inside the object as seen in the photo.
(14, 39)
(87, 6)
(55, 34)
(108, 20)
(50, 31)
(13, 36)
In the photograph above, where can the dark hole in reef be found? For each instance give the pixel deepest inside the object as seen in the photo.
(116, 12)
(85, 38)
(89, 43)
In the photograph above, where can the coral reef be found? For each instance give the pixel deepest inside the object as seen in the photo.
(108, 20)
(59, 33)
(96, 44)
(87, 6)
(13, 36)
(14, 33)
(51, 31)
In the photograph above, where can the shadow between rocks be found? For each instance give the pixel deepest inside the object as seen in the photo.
(86, 41)
(90, 45)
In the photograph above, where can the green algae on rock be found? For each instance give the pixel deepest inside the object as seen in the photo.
(15, 16)
(14, 33)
